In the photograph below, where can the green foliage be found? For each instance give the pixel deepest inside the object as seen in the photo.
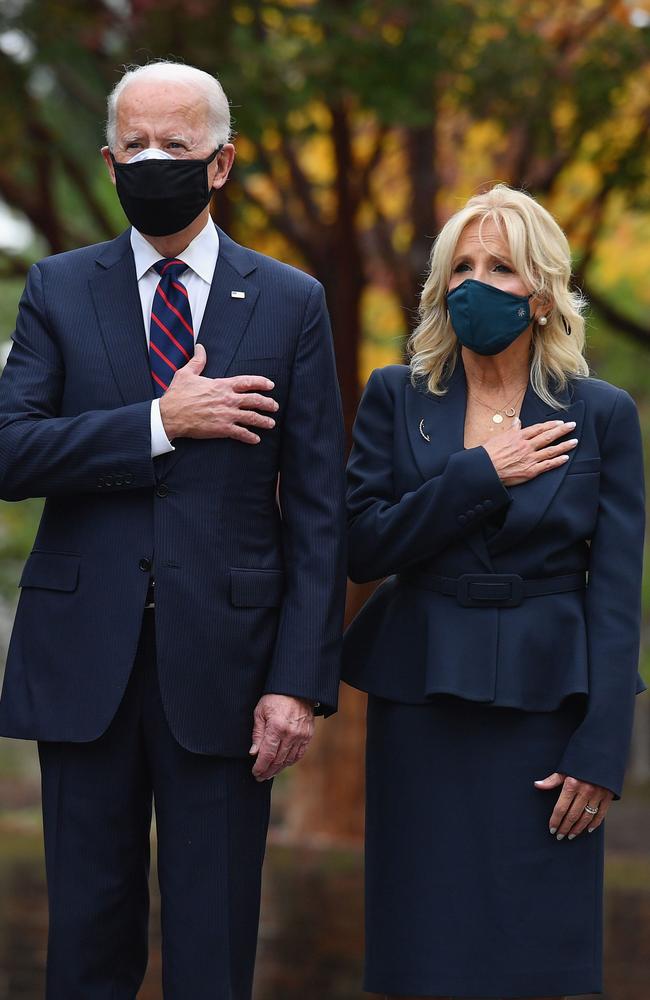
(10, 292)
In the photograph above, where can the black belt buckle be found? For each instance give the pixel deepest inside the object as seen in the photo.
(490, 590)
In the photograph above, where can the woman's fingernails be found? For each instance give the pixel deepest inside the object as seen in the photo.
(560, 836)
(591, 829)
(553, 830)
(571, 836)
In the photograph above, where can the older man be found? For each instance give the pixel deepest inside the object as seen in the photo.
(177, 606)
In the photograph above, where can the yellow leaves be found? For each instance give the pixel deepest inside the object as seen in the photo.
(300, 25)
(392, 34)
(316, 115)
(402, 236)
(384, 330)
(271, 139)
(242, 14)
(316, 159)
(623, 257)
(245, 149)
(320, 116)
(563, 115)
(297, 120)
(272, 18)
(307, 28)
(264, 191)
(615, 137)
(477, 158)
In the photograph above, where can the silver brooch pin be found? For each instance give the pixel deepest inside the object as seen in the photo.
(238, 295)
(423, 433)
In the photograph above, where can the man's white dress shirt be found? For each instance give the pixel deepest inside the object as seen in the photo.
(201, 259)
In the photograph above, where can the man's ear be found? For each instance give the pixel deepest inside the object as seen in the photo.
(106, 156)
(224, 161)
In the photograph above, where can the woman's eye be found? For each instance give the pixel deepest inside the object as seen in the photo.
(463, 266)
(503, 268)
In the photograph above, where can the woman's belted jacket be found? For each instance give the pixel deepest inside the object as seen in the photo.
(519, 596)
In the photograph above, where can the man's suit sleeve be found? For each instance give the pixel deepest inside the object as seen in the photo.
(306, 658)
(599, 748)
(45, 454)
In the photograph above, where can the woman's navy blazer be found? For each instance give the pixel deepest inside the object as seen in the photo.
(419, 503)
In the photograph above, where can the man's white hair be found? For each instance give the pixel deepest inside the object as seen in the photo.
(166, 70)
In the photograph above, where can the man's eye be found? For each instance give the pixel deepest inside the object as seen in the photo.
(132, 145)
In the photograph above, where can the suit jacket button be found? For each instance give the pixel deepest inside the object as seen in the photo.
(487, 503)
(108, 481)
(128, 479)
(479, 508)
(145, 565)
(119, 481)
(100, 483)
(162, 490)
(461, 519)
(471, 514)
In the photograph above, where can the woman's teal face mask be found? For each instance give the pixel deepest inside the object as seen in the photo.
(485, 319)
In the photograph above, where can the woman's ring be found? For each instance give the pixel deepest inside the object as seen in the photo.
(592, 810)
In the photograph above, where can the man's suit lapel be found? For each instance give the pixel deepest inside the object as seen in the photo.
(226, 316)
(114, 290)
(436, 429)
(225, 319)
(531, 500)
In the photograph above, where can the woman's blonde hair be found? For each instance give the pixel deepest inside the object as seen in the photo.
(541, 256)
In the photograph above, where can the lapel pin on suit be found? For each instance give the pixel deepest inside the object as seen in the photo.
(237, 295)
(423, 432)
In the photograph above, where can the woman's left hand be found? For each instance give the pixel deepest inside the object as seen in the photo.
(570, 817)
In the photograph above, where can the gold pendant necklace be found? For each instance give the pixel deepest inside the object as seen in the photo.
(499, 413)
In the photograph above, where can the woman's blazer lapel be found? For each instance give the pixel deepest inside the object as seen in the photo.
(531, 500)
(436, 429)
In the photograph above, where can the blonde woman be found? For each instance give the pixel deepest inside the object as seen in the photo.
(487, 480)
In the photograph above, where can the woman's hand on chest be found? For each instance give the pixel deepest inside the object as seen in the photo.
(522, 453)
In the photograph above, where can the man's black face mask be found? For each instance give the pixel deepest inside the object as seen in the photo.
(163, 196)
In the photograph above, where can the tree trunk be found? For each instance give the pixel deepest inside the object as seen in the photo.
(326, 799)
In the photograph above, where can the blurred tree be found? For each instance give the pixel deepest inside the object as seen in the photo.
(360, 126)
(359, 123)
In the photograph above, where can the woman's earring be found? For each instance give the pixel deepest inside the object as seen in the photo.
(542, 321)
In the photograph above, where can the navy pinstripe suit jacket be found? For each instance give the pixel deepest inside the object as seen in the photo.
(249, 590)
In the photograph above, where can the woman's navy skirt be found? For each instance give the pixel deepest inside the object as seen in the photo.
(467, 892)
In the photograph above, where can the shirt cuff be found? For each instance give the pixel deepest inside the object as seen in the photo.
(160, 443)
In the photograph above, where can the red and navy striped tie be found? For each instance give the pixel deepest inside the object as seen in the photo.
(171, 335)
